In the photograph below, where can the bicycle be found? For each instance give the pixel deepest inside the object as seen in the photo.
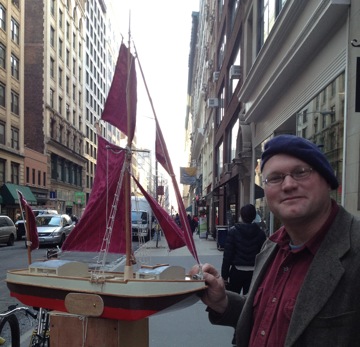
(9, 317)
(41, 334)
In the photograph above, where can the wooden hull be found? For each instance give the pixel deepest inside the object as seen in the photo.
(122, 300)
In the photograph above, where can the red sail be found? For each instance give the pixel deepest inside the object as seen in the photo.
(123, 87)
(88, 234)
(163, 158)
(30, 226)
(173, 234)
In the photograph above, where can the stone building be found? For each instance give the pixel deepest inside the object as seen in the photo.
(54, 97)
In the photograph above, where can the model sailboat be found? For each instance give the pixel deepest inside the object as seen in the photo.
(105, 227)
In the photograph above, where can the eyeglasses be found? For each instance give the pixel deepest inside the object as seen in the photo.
(298, 174)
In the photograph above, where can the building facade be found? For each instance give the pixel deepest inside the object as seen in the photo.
(12, 84)
(54, 96)
(95, 82)
(281, 67)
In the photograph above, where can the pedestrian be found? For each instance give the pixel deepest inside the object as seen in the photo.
(306, 283)
(243, 243)
(195, 223)
(157, 229)
(191, 223)
(177, 220)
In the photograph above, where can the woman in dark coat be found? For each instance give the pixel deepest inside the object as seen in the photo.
(243, 243)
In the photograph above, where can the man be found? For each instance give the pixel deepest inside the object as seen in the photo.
(243, 242)
(306, 283)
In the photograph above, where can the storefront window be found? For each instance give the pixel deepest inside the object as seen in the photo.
(322, 122)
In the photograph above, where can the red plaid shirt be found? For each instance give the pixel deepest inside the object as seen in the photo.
(275, 298)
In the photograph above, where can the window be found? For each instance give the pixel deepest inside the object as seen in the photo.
(2, 56)
(52, 129)
(2, 95)
(60, 105)
(2, 133)
(51, 98)
(219, 159)
(2, 17)
(2, 171)
(14, 102)
(39, 178)
(60, 18)
(60, 77)
(268, 12)
(60, 48)
(14, 138)
(61, 129)
(33, 176)
(233, 140)
(67, 58)
(52, 37)
(14, 67)
(67, 85)
(52, 8)
(15, 173)
(52, 68)
(15, 30)
(68, 134)
(68, 112)
(68, 30)
(27, 174)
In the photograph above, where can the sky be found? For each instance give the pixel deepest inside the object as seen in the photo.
(161, 31)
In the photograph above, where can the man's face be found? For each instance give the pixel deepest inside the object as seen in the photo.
(295, 200)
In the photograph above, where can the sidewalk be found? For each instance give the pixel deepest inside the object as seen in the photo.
(203, 246)
(190, 326)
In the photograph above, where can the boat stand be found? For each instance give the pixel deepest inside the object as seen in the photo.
(83, 327)
(74, 330)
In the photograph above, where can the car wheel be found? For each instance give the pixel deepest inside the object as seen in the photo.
(11, 240)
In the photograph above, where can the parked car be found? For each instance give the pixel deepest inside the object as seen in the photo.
(20, 226)
(53, 228)
(7, 231)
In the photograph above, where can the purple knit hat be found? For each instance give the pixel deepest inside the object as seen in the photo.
(302, 149)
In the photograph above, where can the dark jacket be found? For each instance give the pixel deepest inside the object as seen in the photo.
(327, 309)
(243, 243)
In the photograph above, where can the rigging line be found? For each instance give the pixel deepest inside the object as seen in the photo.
(150, 99)
(188, 234)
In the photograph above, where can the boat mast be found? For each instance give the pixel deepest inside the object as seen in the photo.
(128, 271)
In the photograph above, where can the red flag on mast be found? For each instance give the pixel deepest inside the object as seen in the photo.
(29, 223)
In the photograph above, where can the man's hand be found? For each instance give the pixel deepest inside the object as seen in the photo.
(215, 295)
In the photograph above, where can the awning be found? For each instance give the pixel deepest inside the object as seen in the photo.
(189, 208)
(9, 195)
